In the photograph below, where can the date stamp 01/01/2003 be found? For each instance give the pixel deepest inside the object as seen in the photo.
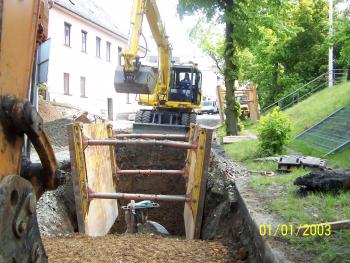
(301, 230)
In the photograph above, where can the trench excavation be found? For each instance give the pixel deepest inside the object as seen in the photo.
(227, 232)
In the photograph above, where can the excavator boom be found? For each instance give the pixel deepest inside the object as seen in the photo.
(174, 91)
(133, 77)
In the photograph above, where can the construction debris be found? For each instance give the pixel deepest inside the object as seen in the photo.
(324, 181)
(264, 173)
(232, 139)
(286, 163)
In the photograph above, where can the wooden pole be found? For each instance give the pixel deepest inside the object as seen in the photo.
(221, 103)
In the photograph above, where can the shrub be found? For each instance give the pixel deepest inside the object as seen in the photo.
(273, 132)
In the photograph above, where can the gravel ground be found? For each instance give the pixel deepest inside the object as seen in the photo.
(133, 248)
(208, 120)
(57, 132)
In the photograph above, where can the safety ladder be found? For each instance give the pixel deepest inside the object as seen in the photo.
(94, 165)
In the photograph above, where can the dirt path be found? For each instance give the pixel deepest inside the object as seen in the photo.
(133, 248)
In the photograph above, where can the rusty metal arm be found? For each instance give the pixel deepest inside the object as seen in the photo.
(20, 117)
(175, 144)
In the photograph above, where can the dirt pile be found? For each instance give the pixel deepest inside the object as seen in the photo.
(57, 132)
(48, 111)
(133, 248)
(56, 211)
(225, 215)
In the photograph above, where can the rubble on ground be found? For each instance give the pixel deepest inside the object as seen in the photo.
(56, 211)
(57, 132)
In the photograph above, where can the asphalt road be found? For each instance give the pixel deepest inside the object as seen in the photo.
(208, 120)
(205, 119)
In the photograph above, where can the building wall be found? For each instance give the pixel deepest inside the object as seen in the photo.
(209, 83)
(98, 72)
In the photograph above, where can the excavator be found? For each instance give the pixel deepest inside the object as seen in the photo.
(172, 90)
(23, 26)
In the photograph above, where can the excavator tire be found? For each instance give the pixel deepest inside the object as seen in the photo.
(185, 119)
(193, 118)
(138, 117)
(146, 116)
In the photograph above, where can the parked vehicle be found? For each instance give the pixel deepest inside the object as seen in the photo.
(209, 106)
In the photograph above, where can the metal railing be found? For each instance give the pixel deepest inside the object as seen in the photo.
(317, 84)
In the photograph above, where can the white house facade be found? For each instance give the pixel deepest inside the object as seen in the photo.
(84, 54)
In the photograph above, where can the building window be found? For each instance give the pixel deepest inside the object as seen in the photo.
(67, 28)
(108, 51)
(66, 83)
(98, 47)
(119, 56)
(83, 40)
(82, 87)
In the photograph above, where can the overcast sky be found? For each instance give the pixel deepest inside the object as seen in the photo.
(177, 30)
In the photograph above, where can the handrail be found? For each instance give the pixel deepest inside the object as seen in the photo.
(326, 74)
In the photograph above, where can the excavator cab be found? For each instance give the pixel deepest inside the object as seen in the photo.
(179, 92)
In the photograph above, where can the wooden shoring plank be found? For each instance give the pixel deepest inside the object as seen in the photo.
(93, 168)
(78, 173)
(197, 175)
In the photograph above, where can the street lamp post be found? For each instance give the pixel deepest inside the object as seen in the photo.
(330, 58)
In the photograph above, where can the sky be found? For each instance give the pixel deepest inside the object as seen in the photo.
(176, 29)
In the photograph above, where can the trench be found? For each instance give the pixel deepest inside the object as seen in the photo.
(225, 218)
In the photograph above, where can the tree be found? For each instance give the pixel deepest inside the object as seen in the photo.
(288, 49)
(228, 9)
(211, 40)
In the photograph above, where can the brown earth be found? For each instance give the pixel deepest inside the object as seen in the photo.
(169, 215)
(48, 111)
(133, 248)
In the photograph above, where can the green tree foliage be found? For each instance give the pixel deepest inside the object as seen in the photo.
(211, 40)
(341, 40)
(280, 45)
(288, 51)
(273, 132)
(227, 12)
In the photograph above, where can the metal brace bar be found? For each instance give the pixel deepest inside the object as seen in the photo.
(150, 172)
(127, 196)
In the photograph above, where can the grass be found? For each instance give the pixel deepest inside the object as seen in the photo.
(279, 192)
(315, 108)
(336, 160)
(243, 150)
(302, 116)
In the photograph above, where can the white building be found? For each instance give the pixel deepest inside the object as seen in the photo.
(84, 53)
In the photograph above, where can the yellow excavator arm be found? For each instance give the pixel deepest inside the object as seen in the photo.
(131, 70)
(174, 91)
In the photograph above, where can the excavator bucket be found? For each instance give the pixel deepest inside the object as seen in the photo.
(144, 82)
